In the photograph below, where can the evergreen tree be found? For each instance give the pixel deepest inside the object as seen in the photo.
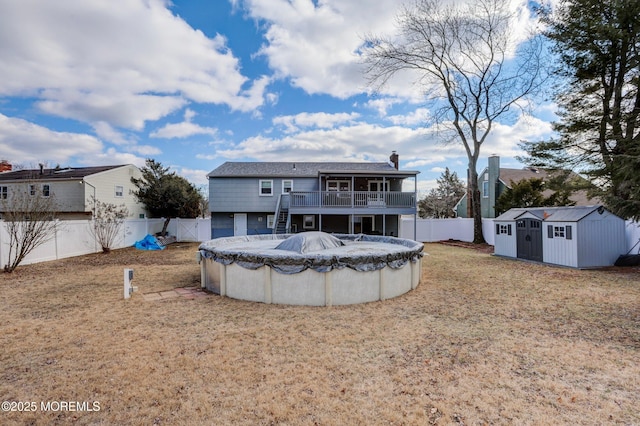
(166, 194)
(530, 193)
(598, 44)
(440, 201)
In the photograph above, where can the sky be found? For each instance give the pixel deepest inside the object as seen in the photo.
(195, 83)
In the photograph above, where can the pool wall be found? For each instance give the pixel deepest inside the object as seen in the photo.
(337, 287)
(395, 274)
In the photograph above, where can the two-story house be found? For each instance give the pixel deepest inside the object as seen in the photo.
(494, 180)
(74, 188)
(248, 198)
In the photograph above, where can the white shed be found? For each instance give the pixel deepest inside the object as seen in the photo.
(579, 236)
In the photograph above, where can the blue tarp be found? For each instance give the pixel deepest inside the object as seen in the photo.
(148, 243)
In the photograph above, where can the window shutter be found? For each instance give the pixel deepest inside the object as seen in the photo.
(509, 229)
(549, 231)
(497, 229)
(567, 231)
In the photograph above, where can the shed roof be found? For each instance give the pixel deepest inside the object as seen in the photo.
(57, 173)
(551, 214)
(303, 169)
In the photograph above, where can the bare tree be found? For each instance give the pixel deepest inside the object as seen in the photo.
(107, 222)
(30, 221)
(470, 62)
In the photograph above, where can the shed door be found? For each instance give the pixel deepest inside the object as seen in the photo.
(529, 239)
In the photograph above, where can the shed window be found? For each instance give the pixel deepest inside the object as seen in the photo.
(558, 232)
(503, 229)
(266, 187)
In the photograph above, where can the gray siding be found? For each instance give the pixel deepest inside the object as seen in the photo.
(559, 250)
(601, 240)
(242, 195)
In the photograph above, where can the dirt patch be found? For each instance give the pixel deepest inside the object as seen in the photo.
(482, 248)
(482, 340)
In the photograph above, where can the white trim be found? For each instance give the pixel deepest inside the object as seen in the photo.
(291, 187)
(313, 221)
(270, 187)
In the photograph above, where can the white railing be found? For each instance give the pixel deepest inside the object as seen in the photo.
(359, 199)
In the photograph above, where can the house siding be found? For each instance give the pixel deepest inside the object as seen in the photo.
(73, 195)
(242, 194)
(106, 182)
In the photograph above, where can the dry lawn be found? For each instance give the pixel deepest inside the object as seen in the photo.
(482, 340)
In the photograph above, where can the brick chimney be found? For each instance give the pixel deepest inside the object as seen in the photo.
(395, 159)
(5, 166)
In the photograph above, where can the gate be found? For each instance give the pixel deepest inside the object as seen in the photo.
(529, 239)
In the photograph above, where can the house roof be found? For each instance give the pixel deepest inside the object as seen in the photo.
(551, 214)
(65, 173)
(303, 169)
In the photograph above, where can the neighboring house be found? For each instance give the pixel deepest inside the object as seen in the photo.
(493, 181)
(75, 187)
(282, 197)
(578, 236)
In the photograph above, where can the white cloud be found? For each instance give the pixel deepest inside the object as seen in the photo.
(24, 142)
(417, 117)
(184, 129)
(195, 176)
(315, 44)
(123, 65)
(322, 120)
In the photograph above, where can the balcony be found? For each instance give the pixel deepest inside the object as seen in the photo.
(352, 200)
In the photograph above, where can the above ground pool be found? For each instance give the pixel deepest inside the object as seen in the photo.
(311, 268)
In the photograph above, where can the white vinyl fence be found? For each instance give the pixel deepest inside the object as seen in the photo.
(430, 230)
(74, 237)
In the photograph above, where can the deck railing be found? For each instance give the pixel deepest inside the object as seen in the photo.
(353, 199)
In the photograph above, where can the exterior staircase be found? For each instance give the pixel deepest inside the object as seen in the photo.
(281, 221)
(281, 225)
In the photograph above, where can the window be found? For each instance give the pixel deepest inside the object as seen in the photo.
(503, 229)
(559, 232)
(338, 185)
(266, 187)
(309, 221)
(271, 219)
(485, 189)
(287, 186)
(119, 191)
(4, 192)
(45, 190)
(32, 190)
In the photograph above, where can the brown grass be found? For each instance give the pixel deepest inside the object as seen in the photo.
(482, 340)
